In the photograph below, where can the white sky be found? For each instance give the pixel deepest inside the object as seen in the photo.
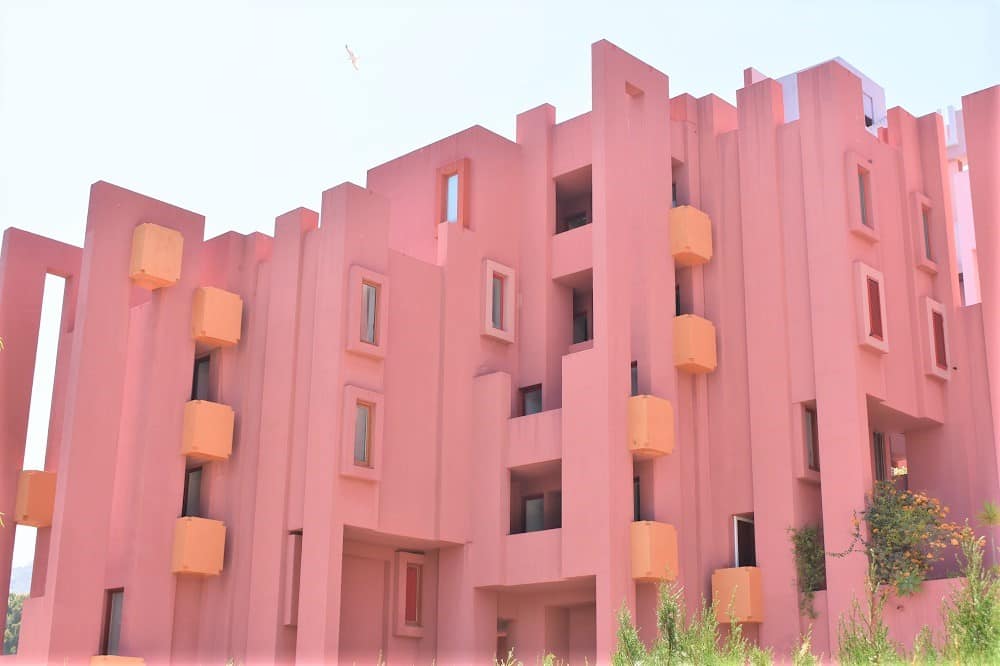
(244, 110)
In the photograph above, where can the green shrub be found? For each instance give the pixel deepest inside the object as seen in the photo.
(972, 613)
(810, 565)
(15, 603)
(803, 655)
(863, 634)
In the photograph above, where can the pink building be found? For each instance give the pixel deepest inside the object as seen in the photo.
(509, 386)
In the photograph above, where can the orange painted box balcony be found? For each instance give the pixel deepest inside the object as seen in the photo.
(36, 498)
(690, 236)
(156, 256)
(650, 426)
(739, 588)
(116, 660)
(217, 317)
(199, 545)
(654, 551)
(694, 344)
(208, 430)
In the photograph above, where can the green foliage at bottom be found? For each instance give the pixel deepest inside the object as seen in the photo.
(15, 602)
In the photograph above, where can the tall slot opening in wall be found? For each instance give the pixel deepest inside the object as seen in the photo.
(574, 199)
(36, 441)
(744, 541)
(583, 312)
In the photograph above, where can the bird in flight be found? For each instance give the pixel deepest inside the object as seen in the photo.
(350, 56)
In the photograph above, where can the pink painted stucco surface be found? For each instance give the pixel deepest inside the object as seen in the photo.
(312, 545)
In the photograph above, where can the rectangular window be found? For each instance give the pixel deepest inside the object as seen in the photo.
(673, 195)
(864, 195)
(451, 198)
(200, 382)
(925, 220)
(534, 513)
(531, 399)
(581, 327)
(411, 610)
(811, 427)
(369, 312)
(869, 108)
(677, 300)
(362, 434)
(874, 309)
(745, 547)
(940, 352)
(497, 311)
(635, 377)
(112, 626)
(192, 493)
(635, 499)
(880, 458)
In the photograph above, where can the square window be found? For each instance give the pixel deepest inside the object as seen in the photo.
(192, 492)
(362, 434)
(369, 312)
(200, 384)
(498, 301)
(362, 428)
(531, 400)
(534, 513)
(114, 601)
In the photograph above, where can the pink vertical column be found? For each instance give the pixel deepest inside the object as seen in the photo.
(981, 111)
(264, 626)
(760, 112)
(829, 117)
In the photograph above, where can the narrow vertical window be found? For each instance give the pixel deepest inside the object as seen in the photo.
(411, 610)
(192, 492)
(744, 541)
(869, 108)
(864, 195)
(362, 434)
(112, 626)
(940, 351)
(811, 427)
(673, 195)
(635, 499)
(497, 301)
(880, 466)
(874, 309)
(531, 399)
(581, 327)
(369, 312)
(635, 377)
(451, 198)
(200, 381)
(534, 513)
(926, 222)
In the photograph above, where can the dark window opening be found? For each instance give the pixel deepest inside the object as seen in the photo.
(111, 628)
(536, 497)
(940, 352)
(880, 458)
(574, 199)
(875, 309)
(414, 580)
(745, 549)
(811, 424)
(531, 399)
(191, 504)
(634, 371)
(200, 383)
(636, 513)
(869, 109)
(583, 308)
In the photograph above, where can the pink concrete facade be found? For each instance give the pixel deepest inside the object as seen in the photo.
(433, 455)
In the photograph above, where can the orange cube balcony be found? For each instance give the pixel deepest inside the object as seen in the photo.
(740, 590)
(116, 660)
(650, 426)
(156, 256)
(208, 430)
(36, 498)
(690, 236)
(654, 551)
(217, 317)
(694, 344)
(199, 544)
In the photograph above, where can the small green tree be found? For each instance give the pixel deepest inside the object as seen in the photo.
(15, 604)
(972, 613)
(863, 635)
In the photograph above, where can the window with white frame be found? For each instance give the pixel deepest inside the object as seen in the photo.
(498, 301)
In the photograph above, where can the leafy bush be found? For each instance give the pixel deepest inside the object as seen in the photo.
(803, 655)
(972, 613)
(863, 635)
(681, 640)
(810, 565)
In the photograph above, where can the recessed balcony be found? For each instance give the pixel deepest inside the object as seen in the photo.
(654, 551)
(690, 236)
(737, 592)
(156, 256)
(694, 344)
(650, 426)
(199, 545)
(208, 430)
(216, 317)
(36, 498)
